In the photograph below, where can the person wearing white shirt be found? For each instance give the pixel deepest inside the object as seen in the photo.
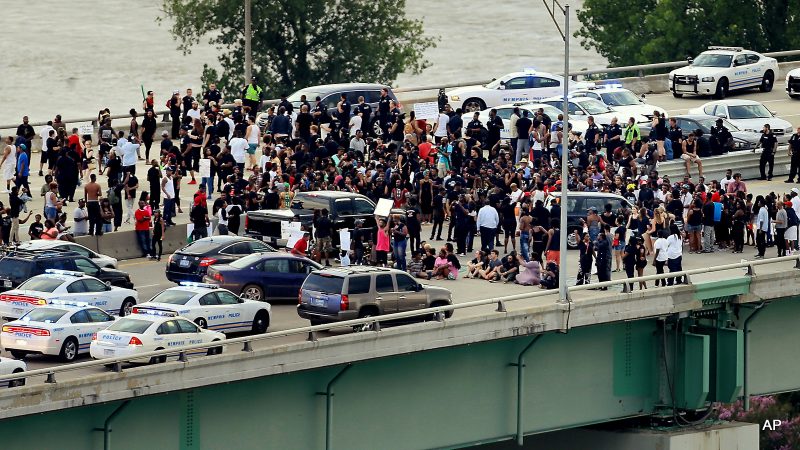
(355, 124)
(231, 126)
(239, 147)
(357, 144)
(44, 133)
(762, 227)
(660, 255)
(129, 155)
(440, 130)
(488, 221)
(194, 113)
(674, 253)
(81, 218)
(512, 127)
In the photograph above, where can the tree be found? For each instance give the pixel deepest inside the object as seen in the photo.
(298, 43)
(633, 32)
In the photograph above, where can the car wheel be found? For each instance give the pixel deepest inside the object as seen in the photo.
(18, 382)
(261, 322)
(794, 95)
(18, 354)
(201, 322)
(474, 104)
(69, 351)
(376, 129)
(253, 292)
(722, 89)
(677, 95)
(447, 314)
(214, 350)
(767, 82)
(127, 307)
(158, 359)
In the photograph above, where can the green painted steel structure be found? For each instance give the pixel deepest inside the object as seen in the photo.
(462, 395)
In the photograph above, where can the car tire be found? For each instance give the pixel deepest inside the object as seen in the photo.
(18, 354)
(363, 314)
(69, 351)
(677, 95)
(794, 96)
(253, 292)
(473, 104)
(158, 359)
(18, 382)
(261, 322)
(201, 322)
(767, 82)
(375, 129)
(722, 89)
(436, 304)
(127, 307)
(214, 350)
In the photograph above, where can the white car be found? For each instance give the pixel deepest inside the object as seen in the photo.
(581, 108)
(150, 331)
(619, 99)
(67, 286)
(99, 259)
(9, 366)
(64, 329)
(505, 111)
(513, 87)
(723, 69)
(793, 83)
(211, 308)
(748, 115)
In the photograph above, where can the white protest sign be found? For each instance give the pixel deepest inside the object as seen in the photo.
(384, 207)
(288, 227)
(426, 110)
(344, 240)
(294, 236)
(190, 229)
(86, 129)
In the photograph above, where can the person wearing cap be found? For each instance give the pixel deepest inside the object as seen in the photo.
(252, 95)
(23, 167)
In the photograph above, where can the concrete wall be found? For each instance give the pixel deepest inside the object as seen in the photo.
(123, 244)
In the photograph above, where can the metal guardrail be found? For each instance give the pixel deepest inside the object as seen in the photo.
(438, 313)
(639, 69)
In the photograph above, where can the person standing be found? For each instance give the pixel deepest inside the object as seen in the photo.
(252, 96)
(488, 221)
(495, 125)
(400, 238)
(512, 129)
(762, 225)
(794, 154)
(769, 145)
(44, 134)
(23, 168)
(781, 222)
(324, 229)
(154, 181)
(8, 164)
(158, 236)
(586, 252)
(149, 126)
(167, 188)
(674, 254)
(524, 125)
(91, 193)
(142, 228)
(81, 218)
(199, 217)
(603, 259)
(174, 105)
(660, 255)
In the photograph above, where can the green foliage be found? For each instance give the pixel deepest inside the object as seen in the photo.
(635, 32)
(298, 43)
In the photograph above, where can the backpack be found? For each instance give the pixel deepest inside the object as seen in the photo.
(791, 217)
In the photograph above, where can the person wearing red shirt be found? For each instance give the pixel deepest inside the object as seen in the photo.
(425, 149)
(74, 141)
(301, 247)
(142, 227)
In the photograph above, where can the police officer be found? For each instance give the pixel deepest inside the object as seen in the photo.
(794, 153)
(768, 144)
(474, 127)
(721, 139)
(613, 138)
(632, 135)
(494, 126)
(252, 96)
(365, 110)
(592, 136)
(384, 106)
(320, 112)
(286, 104)
(343, 110)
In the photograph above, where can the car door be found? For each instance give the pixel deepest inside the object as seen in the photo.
(168, 335)
(344, 213)
(545, 87)
(237, 317)
(275, 279)
(77, 292)
(98, 320)
(104, 298)
(721, 111)
(364, 209)
(259, 247)
(215, 313)
(409, 296)
(517, 89)
(190, 333)
(82, 328)
(86, 266)
(741, 72)
(385, 293)
(233, 252)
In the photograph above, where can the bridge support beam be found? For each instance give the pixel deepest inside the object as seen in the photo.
(107, 425)
(745, 388)
(520, 364)
(329, 405)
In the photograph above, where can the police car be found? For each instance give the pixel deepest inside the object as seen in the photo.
(66, 285)
(513, 87)
(148, 331)
(723, 69)
(582, 107)
(61, 328)
(748, 115)
(620, 99)
(9, 366)
(793, 83)
(211, 307)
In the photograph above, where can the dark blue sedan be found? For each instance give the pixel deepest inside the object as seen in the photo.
(270, 276)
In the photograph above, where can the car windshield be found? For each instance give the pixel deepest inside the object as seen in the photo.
(202, 247)
(127, 325)
(310, 96)
(174, 297)
(494, 84)
(41, 284)
(712, 60)
(247, 261)
(757, 111)
(323, 283)
(15, 269)
(706, 124)
(593, 106)
(44, 315)
(620, 98)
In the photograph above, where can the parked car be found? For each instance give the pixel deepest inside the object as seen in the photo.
(17, 266)
(749, 116)
(793, 83)
(345, 293)
(742, 140)
(344, 208)
(9, 366)
(578, 204)
(720, 70)
(331, 94)
(191, 262)
(98, 258)
(263, 276)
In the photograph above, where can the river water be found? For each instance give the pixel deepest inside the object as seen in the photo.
(74, 58)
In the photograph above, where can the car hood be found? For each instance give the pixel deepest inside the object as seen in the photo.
(699, 71)
(793, 73)
(747, 136)
(432, 290)
(757, 124)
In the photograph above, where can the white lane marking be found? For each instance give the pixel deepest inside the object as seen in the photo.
(149, 285)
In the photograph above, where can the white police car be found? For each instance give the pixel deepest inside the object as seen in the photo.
(723, 69)
(61, 328)
(10, 366)
(748, 115)
(580, 108)
(211, 308)
(620, 99)
(66, 285)
(513, 87)
(149, 331)
(793, 83)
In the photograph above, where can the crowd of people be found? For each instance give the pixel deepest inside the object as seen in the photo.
(464, 182)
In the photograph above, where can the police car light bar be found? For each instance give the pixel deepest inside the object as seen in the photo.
(529, 70)
(68, 303)
(200, 285)
(72, 273)
(730, 49)
(153, 312)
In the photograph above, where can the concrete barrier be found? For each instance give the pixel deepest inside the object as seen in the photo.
(714, 167)
(123, 244)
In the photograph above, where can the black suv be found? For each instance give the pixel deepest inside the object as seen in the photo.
(191, 262)
(17, 266)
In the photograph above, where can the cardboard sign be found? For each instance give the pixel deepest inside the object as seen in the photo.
(294, 236)
(287, 228)
(384, 207)
(344, 240)
(86, 129)
(426, 110)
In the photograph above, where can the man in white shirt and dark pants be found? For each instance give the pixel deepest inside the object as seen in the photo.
(488, 221)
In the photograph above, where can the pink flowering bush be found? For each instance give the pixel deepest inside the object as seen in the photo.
(763, 409)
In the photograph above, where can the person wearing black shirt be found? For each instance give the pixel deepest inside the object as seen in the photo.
(287, 105)
(524, 125)
(154, 180)
(768, 144)
(455, 124)
(613, 137)
(25, 131)
(366, 111)
(673, 144)
(174, 105)
(324, 230)
(437, 210)
(187, 102)
(794, 153)
(592, 136)
(384, 105)
(721, 139)
(320, 112)
(36, 229)
(494, 126)
(303, 124)
(343, 110)
(212, 95)
(199, 217)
